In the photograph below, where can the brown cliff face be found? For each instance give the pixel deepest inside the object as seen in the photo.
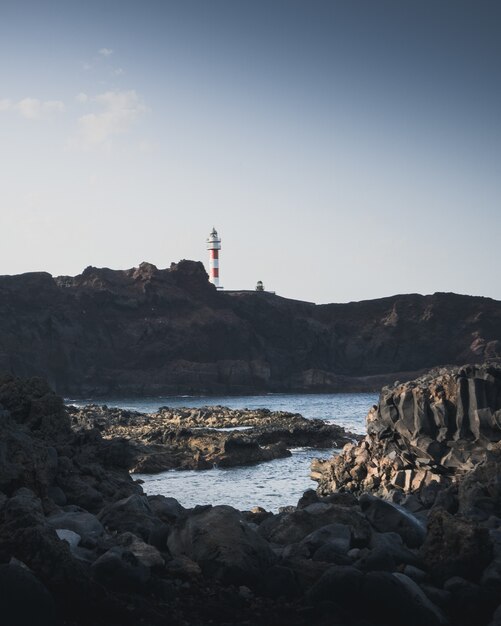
(151, 331)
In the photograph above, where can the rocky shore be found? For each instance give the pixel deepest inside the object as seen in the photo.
(207, 437)
(423, 435)
(81, 544)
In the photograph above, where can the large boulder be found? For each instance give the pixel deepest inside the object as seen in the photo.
(339, 584)
(392, 544)
(24, 600)
(167, 509)
(133, 514)
(455, 546)
(81, 522)
(394, 599)
(379, 597)
(387, 517)
(337, 536)
(287, 528)
(120, 569)
(225, 547)
(279, 581)
(146, 554)
(469, 603)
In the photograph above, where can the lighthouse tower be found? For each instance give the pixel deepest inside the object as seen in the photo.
(213, 246)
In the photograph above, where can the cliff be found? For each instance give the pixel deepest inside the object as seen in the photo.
(152, 331)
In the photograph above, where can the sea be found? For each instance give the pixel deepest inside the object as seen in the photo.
(270, 485)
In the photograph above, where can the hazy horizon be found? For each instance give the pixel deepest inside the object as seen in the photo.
(344, 151)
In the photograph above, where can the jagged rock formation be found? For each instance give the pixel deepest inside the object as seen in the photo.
(80, 543)
(200, 439)
(152, 331)
(423, 434)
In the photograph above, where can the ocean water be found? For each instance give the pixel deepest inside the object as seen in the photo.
(271, 485)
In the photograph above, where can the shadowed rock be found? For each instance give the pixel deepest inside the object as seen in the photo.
(24, 601)
(225, 547)
(455, 546)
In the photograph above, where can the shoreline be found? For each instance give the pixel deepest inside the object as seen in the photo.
(344, 384)
(85, 400)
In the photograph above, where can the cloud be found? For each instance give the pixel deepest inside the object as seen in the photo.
(118, 71)
(106, 52)
(82, 97)
(119, 110)
(33, 108)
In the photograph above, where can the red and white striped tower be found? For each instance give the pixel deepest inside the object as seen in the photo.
(213, 246)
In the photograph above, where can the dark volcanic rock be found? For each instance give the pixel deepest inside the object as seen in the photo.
(225, 547)
(81, 544)
(288, 528)
(121, 570)
(81, 522)
(386, 517)
(479, 493)
(456, 546)
(29, 412)
(279, 581)
(496, 618)
(24, 601)
(381, 597)
(132, 514)
(337, 536)
(42, 456)
(393, 599)
(427, 434)
(202, 438)
(157, 331)
(390, 544)
(340, 584)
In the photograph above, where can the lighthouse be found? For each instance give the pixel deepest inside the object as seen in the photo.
(213, 246)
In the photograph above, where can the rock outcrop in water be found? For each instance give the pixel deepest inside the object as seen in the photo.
(203, 438)
(81, 544)
(149, 331)
(422, 435)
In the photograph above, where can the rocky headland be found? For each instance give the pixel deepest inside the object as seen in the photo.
(207, 437)
(81, 544)
(150, 331)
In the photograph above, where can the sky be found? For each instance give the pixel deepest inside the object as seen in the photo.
(344, 149)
